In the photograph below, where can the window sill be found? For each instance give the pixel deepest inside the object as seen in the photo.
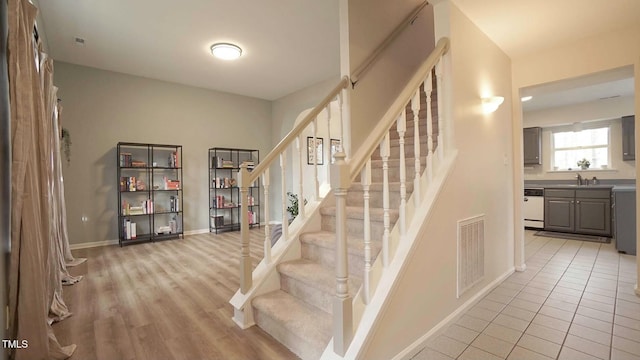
(583, 171)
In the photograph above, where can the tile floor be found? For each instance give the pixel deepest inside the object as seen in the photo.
(575, 301)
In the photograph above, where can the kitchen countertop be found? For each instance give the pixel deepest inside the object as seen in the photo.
(623, 186)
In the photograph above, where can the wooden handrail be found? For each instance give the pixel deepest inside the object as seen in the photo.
(293, 134)
(359, 72)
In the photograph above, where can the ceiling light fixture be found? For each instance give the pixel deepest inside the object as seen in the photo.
(526, 98)
(491, 104)
(226, 51)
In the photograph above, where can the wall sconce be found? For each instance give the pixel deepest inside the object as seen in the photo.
(491, 104)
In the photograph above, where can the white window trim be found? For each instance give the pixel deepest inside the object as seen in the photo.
(583, 126)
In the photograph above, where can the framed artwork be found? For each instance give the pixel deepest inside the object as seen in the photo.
(335, 146)
(314, 151)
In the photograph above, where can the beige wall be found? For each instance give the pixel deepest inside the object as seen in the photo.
(480, 183)
(370, 22)
(102, 108)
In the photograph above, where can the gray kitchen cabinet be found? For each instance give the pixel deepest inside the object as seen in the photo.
(628, 138)
(559, 210)
(532, 145)
(583, 211)
(624, 215)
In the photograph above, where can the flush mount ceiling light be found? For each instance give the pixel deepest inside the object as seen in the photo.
(226, 51)
(526, 98)
(491, 104)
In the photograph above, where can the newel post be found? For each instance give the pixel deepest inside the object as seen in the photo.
(245, 256)
(342, 309)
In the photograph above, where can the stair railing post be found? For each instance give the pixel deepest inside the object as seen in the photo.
(300, 147)
(267, 226)
(246, 280)
(442, 132)
(428, 88)
(384, 154)
(401, 127)
(365, 179)
(327, 146)
(415, 108)
(342, 305)
(314, 148)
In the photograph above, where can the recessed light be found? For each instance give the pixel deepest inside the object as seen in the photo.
(526, 98)
(226, 51)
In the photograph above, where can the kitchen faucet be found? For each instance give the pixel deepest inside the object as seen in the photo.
(579, 179)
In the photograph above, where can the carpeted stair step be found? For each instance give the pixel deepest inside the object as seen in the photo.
(320, 247)
(394, 148)
(303, 328)
(312, 282)
(355, 219)
(355, 195)
(394, 169)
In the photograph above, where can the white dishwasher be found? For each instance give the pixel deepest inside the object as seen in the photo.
(533, 209)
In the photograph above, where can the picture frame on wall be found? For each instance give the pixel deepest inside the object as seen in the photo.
(335, 146)
(314, 151)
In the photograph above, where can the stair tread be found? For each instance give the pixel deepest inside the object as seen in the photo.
(377, 186)
(326, 239)
(316, 275)
(304, 320)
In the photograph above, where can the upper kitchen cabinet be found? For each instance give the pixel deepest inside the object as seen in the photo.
(628, 138)
(532, 142)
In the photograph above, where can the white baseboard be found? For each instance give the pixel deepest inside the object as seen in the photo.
(441, 326)
(93, 244)
(196, 232)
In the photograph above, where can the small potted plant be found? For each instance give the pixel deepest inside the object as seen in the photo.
(584, 164)
(292, 209)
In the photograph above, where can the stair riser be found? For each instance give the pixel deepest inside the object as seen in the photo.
(355, 227)
(409, 151)
(299, 345)
(306, 293)
(327, 257)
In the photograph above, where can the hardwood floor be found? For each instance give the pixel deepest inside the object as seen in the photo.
(166, 300)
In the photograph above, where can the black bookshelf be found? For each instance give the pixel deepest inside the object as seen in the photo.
(224, 193)
(149, 192)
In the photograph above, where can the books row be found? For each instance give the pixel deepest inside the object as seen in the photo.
(145, 207)
(130, 183)
(220, 163)
(174, 204)
(170, 184)
(223, 183)
(129, 230)
(220, 202)
(253, 217)
(126, 160)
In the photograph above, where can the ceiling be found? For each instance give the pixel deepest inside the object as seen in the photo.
(287, 44)
(290, 44)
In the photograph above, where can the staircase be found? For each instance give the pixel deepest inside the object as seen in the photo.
(299, 313)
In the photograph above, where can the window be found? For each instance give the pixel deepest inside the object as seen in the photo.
(569, 147)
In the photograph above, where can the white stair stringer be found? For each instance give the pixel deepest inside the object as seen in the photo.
(367, 316)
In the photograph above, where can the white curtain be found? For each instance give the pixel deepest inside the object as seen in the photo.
(37, 259)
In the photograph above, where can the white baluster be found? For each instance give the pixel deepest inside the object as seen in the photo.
(401, 127)
(384, 154)
(314, 130)
(327, 146)
(299, 145)
(246, 281)
(427, 90)
(415, 108)
(441, 110)
(267, 227)
(342, 304)
(342, 147)
(365, 179)
(283, 174)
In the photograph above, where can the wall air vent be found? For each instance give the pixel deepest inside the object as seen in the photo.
(470, 253)
(79, 41)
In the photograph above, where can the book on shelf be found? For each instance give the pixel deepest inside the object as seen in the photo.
(173, 160)
(253, 217)
(129, 183)
(170, 184)
(250, 164)
(125, 159)
(145, 207)
(137, 163)
(174, 204)
(129, 230)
